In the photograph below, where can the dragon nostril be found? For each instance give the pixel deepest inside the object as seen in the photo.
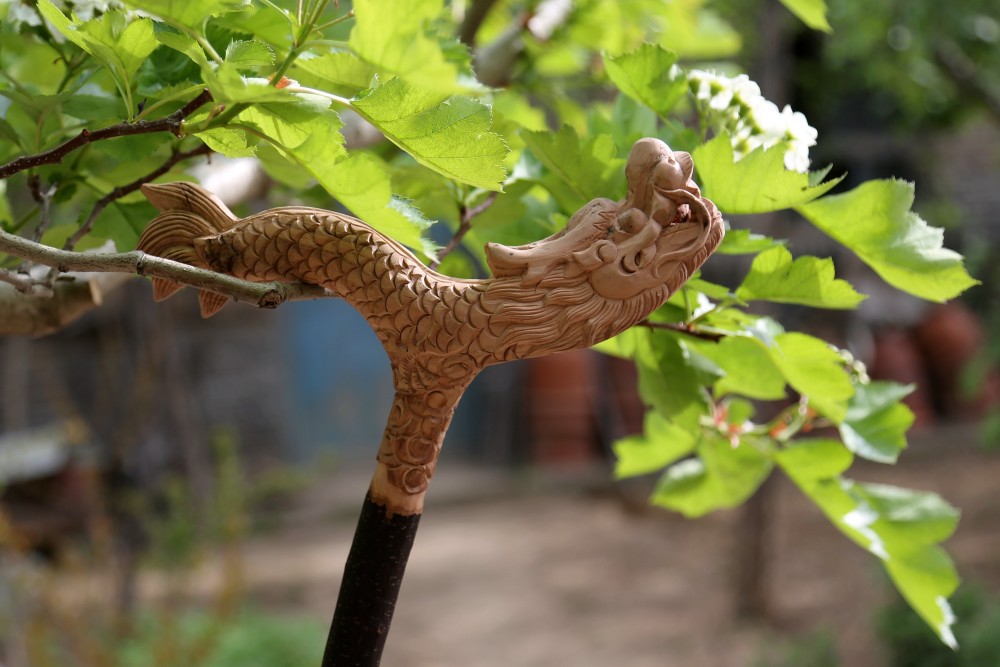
(632, 220)
(607, 252)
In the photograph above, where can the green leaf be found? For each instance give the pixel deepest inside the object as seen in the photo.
(94, 107)
(810, 12)
(630, 121)
(302, 132)
(249, 54)
(363, 184)
(189, 13)
(119, 46)
(180, 42)
(759, 183)
(749, 368)
(123, 223)
(722, 476)
(130, 148)
(229, 142)
(874, 220)
(696, 31)
(662, 443)
(876, 422)
(745, 242)
(808, 281)
(451, 136)
(229, 87)
(647, 76)
(668, 380)
(899, 526)
(920, 517)
(339, 72)
(809, 460)
(816, 370)
(395, 36)
(580, 170)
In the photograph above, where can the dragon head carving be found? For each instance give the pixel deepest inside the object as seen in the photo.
(653, 239)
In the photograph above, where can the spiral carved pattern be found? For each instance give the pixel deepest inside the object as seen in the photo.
(609, 269)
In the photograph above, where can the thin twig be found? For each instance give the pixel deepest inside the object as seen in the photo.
(44, 200)
(678, 327)
(466, 216)
(171, 123)
(263, 295)
(129, 188)
(22, 282)
(474, 17)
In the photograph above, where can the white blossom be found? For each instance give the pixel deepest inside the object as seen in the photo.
(21, 12)
(88, 9)
(752, 121)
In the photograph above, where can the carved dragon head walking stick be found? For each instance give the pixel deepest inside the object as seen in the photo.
(612, 265)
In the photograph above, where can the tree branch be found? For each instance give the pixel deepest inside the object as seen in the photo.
(22, 282)
(474, 17)
(129, 188)
(44, 201)
(171, 123)
(263, 295)
(37, 313)
(466, 216)
(685, 329)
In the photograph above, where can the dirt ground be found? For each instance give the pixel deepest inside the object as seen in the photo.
(535, 573)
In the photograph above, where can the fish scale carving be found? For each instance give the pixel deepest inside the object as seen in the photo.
(613, 264)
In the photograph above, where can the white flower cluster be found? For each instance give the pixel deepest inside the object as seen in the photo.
(20, 11)
(752, 120)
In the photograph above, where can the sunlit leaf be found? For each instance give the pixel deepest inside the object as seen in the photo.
(876, 422)
(901, 527)
(816, 370)
(874, 220)
(745, 242)
(695, 31)
(119, 45)
(182, 43)
(580, 169)
(338, 72)
(229, 142)
(758, 183)
(808, 460)
(249, 54)
(721, 476)
(189, 13)
(811, 12)
(808, 281)
(749, 368)
(405, 47)
(451, 135)
(661, 443)
(647, 76)
(363, 184)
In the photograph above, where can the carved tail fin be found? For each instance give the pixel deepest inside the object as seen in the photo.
(187, 212)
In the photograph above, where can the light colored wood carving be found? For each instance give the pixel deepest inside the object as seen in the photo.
(613, 264)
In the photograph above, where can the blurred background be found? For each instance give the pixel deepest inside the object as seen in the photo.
(198, 481)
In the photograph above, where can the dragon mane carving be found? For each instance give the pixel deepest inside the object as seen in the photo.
(612, 265)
